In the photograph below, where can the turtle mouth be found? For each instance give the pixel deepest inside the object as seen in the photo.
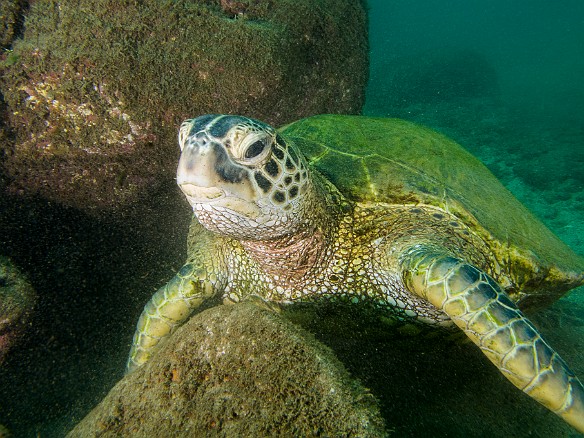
(214, 198)
(198, 194)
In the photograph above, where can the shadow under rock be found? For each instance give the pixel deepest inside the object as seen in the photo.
(93, 275)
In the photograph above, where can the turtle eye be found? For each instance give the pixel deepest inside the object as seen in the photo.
(254, 149)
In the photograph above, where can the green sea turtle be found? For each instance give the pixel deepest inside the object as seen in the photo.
(360, 209)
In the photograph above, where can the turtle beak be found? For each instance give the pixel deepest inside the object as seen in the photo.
(195, 166)
(206, 173)
(195, 180)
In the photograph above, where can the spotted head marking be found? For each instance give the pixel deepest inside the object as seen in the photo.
(241, 177)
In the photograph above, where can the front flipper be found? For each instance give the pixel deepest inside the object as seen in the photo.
(480, 307)
(169, 308)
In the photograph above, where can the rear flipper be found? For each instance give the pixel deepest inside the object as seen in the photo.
(480, 307)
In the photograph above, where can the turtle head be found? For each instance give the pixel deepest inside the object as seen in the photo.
(241, 178)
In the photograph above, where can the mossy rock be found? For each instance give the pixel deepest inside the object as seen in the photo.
(95, 91)
(237, 371)
(11, 17)
(17, 300)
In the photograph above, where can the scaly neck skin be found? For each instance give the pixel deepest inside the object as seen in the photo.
(292, 256)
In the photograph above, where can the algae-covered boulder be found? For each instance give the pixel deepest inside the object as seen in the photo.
(11, 13)
(237, 371)
(4, 432)
(95, 90)
(17, 300)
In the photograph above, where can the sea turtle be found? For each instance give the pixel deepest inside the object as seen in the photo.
(375, 210)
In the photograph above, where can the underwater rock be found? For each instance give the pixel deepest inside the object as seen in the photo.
(95, 91)
(237, 370)
(4, 432)
(17, 300)
(11, 17)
